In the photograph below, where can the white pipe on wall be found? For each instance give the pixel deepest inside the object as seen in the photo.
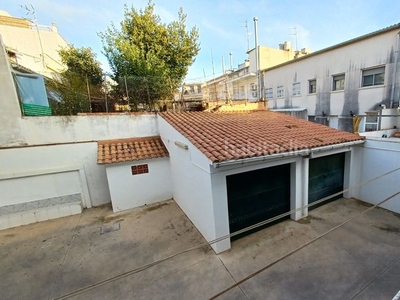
(396, 54)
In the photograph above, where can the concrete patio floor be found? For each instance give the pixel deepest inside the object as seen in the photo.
(97, 255)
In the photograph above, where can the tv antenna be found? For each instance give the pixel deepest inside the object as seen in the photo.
(30, 10)
(294, 33)
(248, 34)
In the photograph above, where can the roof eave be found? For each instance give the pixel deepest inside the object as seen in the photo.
(304, 152)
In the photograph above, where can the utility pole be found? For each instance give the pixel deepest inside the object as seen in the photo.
(127, 95)
(105, 88)
(207, 92)
(255, 19)
(227, 96)
(88, 91)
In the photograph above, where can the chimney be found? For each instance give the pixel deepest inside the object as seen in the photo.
(54, 27)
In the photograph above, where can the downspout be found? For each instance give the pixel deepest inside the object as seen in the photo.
(396, 55)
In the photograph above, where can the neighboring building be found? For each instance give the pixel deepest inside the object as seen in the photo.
(29, 86)
(336, 83)
(190, 97)
(241, 84)
(31, 45)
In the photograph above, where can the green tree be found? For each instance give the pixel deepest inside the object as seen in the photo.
(76, 87)
(82, 61)
(153, 57)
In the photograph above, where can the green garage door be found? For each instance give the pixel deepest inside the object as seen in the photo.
(325, 177)
(256, 196)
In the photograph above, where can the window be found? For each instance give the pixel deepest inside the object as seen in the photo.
(371, 121)
(296, 89)
(140, 169)
(269, 93)
(338, 82)
(280, 93)
(254, 90)
(312, 86)
(373, 77)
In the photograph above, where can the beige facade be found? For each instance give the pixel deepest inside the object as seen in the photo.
(32, 46)
(241, 84)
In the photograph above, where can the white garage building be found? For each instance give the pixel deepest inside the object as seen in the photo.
(233, 170)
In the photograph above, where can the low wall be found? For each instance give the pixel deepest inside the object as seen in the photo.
(72, 129)
(42, 172)
(54, 167)
(377, 157)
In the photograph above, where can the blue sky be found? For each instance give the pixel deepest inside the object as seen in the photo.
(221, 23)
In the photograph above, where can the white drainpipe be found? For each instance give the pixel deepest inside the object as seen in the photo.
(396, 54)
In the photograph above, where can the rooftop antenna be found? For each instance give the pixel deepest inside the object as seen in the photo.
(30, 10)
(248, 34)
(215, 87)
(294, 33)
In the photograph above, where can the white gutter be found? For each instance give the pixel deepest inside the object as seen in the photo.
(335, 146)
(304, 152)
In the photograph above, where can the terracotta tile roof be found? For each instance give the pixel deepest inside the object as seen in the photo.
(114, 151)
(231, 136)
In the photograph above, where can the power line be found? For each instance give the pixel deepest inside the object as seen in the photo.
(301, 247)
(144, 267)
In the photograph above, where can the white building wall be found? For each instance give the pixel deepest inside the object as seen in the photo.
(130, 191)
(378, 157)
(192, 184)
(351, 60)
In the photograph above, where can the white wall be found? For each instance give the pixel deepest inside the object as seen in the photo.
(50, 160)
(79, 135)
(191, 182)
(130, 191)
(377, 157)
(38, 186)
(72, 129)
